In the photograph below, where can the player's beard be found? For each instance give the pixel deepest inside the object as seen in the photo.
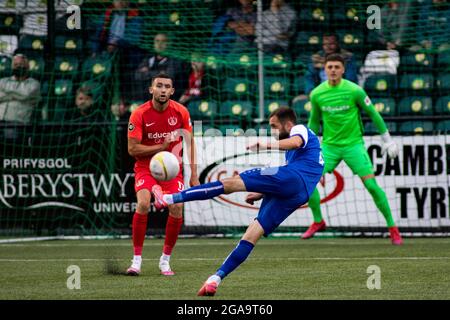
(162, 100)
(283, 135)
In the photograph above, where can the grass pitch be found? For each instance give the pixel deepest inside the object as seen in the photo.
(276, 269)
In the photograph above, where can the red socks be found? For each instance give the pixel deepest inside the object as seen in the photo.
(173, 228)
(139, 230)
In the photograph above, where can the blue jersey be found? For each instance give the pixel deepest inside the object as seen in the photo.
(306, 160)
(287, 187)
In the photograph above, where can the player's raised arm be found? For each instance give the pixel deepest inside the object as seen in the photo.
(283, 127)
(389, 144)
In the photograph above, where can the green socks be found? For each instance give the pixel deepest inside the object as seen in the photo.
(381, 201)
(314, 204)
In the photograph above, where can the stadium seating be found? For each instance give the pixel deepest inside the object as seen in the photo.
(443, 105)
(309, 38)
(415, 127)
(444, 59)
(352, 40)
(298, 84)
(10, 23)
(443, 82)
(302, 108)
(417, 61)
(443, 126)
(276, 86)
(349, 13)
(385, 106)
(96, 67)
(417, 82)
(236, 110)
(276, 62)
(381, 84)
(314, 15)
(272, 105)
(231, 130)
(202, 109)
(60, 96)
(416, 105)
(369, 127)
(238, 87)
(66, 65)
(32, 44)
(68, 44)
(37, 67)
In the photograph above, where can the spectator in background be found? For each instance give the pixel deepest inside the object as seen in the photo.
(315, 73)
(277, 26)
(241, 20)
(84, 102)
(155, 64)
(194, 89)
(394, 23)
(433, 26)
(120, 28)
(19, 94)
(121, 111)
(120, 33)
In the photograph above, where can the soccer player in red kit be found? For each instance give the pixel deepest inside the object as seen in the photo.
(160, 124)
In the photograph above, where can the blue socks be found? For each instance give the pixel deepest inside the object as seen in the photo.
(201, 192)
(237, 256)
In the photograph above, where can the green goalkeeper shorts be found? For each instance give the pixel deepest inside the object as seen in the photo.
(355, 156)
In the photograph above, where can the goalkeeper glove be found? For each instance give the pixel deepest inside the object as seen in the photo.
(389, 145)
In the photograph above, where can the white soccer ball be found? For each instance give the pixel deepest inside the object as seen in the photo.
(164, 166)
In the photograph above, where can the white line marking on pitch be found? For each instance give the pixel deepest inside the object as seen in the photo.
(256, 259)
(205, 243)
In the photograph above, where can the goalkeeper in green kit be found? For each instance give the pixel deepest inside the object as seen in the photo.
(338, 102)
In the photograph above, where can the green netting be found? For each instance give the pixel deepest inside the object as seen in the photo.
(112, 72)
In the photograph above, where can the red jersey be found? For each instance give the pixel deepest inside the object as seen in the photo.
(151, 127)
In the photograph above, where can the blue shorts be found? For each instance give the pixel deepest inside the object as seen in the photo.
(284, 192)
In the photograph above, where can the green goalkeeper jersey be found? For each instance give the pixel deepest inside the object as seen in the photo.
(340, 107)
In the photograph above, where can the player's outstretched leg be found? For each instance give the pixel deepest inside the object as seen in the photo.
(203, 191)
(234, 260)
(139, 228)
(319, 223)
(381, 201)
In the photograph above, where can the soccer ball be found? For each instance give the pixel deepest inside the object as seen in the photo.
(164, 166)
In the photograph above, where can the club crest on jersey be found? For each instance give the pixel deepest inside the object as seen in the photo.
(367, 101)
(172, 121)
(131, 127)
(140, 182)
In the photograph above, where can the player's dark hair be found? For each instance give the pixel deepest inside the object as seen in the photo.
(284, 114)
(335, 57)
(162, 75)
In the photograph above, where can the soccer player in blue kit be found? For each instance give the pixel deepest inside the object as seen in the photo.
(283, 189)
